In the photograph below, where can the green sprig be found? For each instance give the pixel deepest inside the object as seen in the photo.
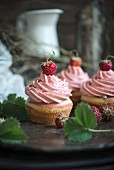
(11, 109)
(14, 106)
(11, 132)
(81, 127)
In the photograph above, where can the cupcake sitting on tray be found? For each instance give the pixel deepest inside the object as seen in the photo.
(48, 96)
(99, 90)
(75, 76)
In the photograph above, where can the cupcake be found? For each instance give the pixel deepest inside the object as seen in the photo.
(48, 96)
(99, 90)
(75, 76)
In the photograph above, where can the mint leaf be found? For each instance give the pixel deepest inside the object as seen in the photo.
(80, 135)
(14, 107)
(85, 116)
(11, 132)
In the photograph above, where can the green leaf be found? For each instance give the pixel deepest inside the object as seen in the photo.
(20, 101)
(81, 127)
(14, 107)
(11, 132)
(80, 135)
(75, 132)
(11, 97)
(16, 135)
(0, 108)
(77, 128)
(85, 116)
(14, 110)
(8, 124)
(70, 125)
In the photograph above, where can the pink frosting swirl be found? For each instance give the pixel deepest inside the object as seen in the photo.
(48, 89)
(75, 76)
(101, 84)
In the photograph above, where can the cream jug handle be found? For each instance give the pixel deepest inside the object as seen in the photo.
(21, 24)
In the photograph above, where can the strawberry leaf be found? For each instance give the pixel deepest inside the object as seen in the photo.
(81, 127)
(14, 107)
(11, 132)
(11, 97)
(78, 128)
(70, 125)
(0, 108)
(85, 116)
(75, 132)
(80, 135)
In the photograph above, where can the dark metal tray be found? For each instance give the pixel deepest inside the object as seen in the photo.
(48, 148)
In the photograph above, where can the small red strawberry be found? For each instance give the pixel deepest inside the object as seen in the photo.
(97, 113)
(75, 61)
(48, 68)
(59, 123)
(60, 120)
(107, 112)
(105, 65)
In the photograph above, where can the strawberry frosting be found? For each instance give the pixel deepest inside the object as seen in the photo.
(101, 84)
(75, 76)
(48, 89)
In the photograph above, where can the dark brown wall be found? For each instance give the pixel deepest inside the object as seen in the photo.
(68, 23)
(67, 26)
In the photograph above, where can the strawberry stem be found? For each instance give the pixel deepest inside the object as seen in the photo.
(52, 55)
(75, 52)
(47, 60)
(109, 56)
(102, 130)
(50, 58)
(105, 97)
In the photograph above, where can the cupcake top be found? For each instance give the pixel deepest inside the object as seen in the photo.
(74, 74)
(48, 88)
(101, 84)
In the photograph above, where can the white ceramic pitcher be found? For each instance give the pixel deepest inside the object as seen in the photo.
(40, 30)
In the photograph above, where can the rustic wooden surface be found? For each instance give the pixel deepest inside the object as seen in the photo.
(49, 149)
(49, 138)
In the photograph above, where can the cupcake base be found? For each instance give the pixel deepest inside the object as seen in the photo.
(76, 97)
(97, 101)
(46, 113)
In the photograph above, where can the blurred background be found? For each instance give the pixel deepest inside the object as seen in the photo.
(85, 25)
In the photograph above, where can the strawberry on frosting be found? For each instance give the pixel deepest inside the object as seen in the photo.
(48, 88)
